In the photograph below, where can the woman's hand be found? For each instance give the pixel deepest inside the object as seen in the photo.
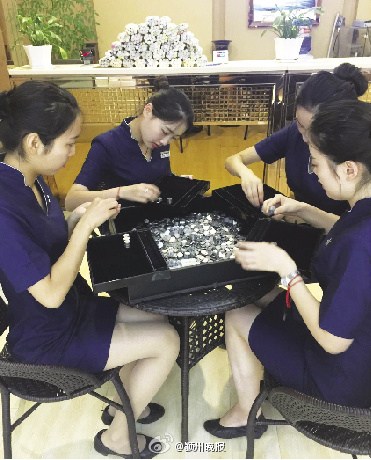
(142, 193)
(51, 291)
(79, 211)
(93, 214)
(253, 187)
(280, 206)
(264, 257)
(75, 216)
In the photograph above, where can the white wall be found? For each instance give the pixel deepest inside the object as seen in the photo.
(115, 14)
(364, 9)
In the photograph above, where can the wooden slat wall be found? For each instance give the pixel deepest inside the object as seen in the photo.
(4, 75)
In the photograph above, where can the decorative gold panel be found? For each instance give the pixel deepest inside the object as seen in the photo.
(212, 104)
(231, 104)
(110, 105)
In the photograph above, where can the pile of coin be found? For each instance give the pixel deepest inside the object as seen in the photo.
(198, 238)
(126, 240)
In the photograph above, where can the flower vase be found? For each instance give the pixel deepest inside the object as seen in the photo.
(39, 56)
(288, 48)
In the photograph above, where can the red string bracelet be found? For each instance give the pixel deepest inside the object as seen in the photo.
(291, 285)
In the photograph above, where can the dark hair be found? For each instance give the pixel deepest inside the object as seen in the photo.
(35, 107)
(341, 130)
(170, 104)
(346, 82)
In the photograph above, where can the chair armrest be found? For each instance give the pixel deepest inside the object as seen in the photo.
(70, 381)
(297, 407)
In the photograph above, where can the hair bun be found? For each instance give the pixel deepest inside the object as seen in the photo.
(352, 74)
(161, 82)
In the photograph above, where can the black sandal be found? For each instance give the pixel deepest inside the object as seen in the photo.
(229, 432)
(152, 448)
(156, 411)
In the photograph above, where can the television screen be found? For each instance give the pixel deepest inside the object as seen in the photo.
(263, 12)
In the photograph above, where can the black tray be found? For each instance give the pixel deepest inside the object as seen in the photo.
(300, 241)
(142, 270)
(235, 197)
(182, 192)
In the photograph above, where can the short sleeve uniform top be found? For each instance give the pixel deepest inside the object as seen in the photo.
(343, 269)
(288, 143)
(32, 240)
(287, 349)
(115, 159)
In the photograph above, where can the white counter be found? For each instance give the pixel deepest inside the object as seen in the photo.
(252, 66)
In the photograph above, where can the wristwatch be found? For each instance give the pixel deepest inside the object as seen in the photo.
(286, 279)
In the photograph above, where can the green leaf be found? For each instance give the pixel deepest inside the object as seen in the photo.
(66, 23)
(287, 23)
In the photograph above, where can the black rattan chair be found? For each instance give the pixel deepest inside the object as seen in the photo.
(342, 428)
(45, 384)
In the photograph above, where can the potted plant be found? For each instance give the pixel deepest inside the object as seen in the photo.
(43, 33)
(75, 19)
(286, 26)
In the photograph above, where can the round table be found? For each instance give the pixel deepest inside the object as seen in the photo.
(199, 319)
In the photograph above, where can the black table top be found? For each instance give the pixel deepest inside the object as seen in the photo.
(205, 302)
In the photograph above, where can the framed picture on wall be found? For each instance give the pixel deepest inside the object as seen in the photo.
(261, 13)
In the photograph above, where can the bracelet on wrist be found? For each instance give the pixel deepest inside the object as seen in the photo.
(295, 280)
(118, 193)
(285, 280)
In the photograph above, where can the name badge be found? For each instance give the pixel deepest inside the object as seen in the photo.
(165, 154)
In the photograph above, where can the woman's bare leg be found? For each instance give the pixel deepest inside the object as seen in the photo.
(247, 370)
(125, 376)
(154, 347)
(127, 314)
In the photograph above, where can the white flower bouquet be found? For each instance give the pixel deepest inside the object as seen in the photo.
(157, 42)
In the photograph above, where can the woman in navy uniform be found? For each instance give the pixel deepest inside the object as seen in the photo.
(290, 143)
(322, 348)
(128, 161)
(54, 317)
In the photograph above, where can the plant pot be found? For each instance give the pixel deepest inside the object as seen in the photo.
(287, 48)
(221, 45)
(39, 56)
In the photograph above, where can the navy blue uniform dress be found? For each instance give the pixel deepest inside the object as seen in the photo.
(287, 349)
(115, 160)
(288, 143)
(78, 333)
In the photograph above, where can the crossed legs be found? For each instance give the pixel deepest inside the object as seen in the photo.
(146, 345)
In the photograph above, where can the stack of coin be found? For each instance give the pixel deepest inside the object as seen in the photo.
(126, 240)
